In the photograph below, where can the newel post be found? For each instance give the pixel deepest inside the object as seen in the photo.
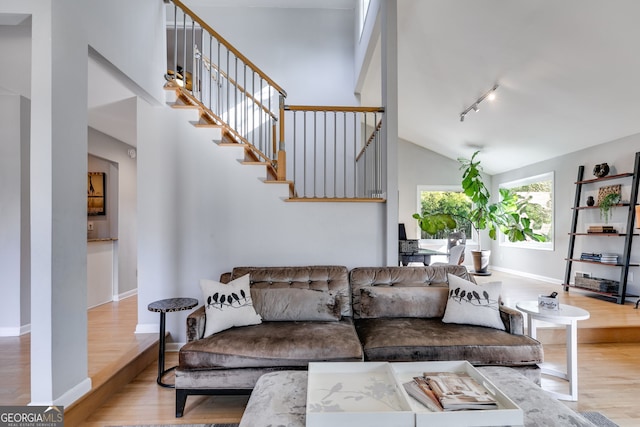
(282, 155)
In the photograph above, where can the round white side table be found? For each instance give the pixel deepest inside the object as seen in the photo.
(567, 315)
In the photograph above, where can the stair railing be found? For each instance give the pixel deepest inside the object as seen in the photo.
(336, 152)
(233, 90)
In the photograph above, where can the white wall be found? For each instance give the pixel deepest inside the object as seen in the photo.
(128, 35)
(58, 157)
(125, 227)
(309, 52)
(619, 155)
(14, 208)
(202, 213)
(424, 167)
(15, 51)
(365, 43)
(205, 213)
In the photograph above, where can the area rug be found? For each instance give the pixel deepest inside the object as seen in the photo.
(598, 419)
(595, 417)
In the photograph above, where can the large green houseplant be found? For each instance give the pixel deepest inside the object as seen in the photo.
(506, 215)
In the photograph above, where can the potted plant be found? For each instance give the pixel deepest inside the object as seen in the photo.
(506, 215)
(605, 205)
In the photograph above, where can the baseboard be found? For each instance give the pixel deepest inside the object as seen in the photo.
(147, 328)
(527, 275)
(124, 295)
(15, 331)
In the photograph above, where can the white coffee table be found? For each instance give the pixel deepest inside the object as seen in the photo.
(567, 315)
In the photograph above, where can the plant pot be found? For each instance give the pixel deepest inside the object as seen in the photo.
(481, 261)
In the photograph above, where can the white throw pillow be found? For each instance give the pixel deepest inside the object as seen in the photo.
(228, 305)
(473, 304)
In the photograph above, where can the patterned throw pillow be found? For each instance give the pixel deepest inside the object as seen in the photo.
(228, 305)
(473, 304)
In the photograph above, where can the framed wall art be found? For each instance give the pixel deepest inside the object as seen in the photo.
(96, 192)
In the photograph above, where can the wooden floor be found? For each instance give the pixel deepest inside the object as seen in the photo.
(609, 363)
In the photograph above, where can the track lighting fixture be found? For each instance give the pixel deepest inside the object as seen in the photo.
(491, 95)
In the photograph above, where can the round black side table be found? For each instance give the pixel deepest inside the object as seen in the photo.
(163, 307)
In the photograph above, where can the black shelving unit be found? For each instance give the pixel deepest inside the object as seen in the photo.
(623, 263)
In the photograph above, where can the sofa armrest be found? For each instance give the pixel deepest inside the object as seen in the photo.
(513, 320)
(195, 324)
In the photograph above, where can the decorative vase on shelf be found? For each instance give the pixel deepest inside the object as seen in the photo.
(590, 201)
(601, 170)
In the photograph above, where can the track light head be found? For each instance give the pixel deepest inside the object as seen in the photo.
(491, 95)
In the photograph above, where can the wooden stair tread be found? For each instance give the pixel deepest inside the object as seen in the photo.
(179, 105)
(273, 181)
(232, 144)
(207, 125)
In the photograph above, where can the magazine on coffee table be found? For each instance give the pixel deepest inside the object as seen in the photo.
(457, 391)
(372, 394)
(426, 397)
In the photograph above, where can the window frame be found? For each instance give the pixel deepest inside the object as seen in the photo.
(542, 246)
(363, 11)
(442, 188)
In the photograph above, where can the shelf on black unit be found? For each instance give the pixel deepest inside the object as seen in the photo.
(623, 263)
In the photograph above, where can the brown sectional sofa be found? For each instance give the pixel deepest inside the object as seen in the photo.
(375, 320)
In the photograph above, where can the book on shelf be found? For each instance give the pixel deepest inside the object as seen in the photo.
(590, 256)
(601, 229)
(450, 391)
(609, 258)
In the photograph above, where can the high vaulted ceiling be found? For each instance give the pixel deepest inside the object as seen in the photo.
(568, 72)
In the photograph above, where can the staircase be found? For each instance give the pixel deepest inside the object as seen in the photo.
(322, 153)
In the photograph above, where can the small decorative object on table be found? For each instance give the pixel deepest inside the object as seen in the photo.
(601, 170)
(549, 302)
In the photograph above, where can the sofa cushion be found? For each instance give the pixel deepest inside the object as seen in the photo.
(290, 304)
(396, 277)
(473, 304)
(227, 305)
(271, 344)
(396, 301)
(328, 278)
(414, 339)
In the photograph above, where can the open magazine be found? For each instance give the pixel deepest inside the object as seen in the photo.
(450, 391)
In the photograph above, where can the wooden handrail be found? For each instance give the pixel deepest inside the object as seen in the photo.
(335, 108)
(228, 45)
(373, 135)
(187, 94)
(208, 64)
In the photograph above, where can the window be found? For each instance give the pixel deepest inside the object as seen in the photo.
(539, 191)
(364, 8)
(448, 200)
